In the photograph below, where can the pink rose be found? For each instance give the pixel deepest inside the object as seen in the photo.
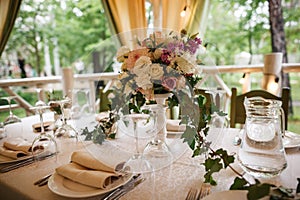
(169, 83)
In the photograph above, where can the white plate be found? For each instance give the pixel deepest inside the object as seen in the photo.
(291, 140)
(67, 188)
(228, 195)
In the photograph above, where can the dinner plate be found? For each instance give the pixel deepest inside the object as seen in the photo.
(67, 188)
(291, 140)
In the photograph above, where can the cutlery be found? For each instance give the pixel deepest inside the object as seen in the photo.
(129, 188)
(25, 162)
(43, 181)
(192, 194)
(119, 189)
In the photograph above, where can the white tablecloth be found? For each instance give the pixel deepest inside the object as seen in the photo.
(171, 182)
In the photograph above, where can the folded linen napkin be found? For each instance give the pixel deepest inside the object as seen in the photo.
(173, 125)
(16, 148)
(87, 170)
(11, 153)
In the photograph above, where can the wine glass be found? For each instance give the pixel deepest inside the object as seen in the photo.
(75, 109)
(39, 102)
(218, 117)
(44, 142)
(139, 126)
(11, 118)
(12, 122)
(65, 129)
(156, 151)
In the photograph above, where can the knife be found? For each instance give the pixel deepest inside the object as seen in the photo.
(116, 191)
(25, 162)
(131, 187)
(125, 188)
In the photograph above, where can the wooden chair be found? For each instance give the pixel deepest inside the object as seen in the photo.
(207, 99)
(237, 109)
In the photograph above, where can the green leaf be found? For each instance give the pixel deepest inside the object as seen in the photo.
(258, 191)
(238, 184)
(189, 136)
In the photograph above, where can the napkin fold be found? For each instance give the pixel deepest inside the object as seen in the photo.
(87, 170)
(11, 153)
(173, 125)
(16, 148)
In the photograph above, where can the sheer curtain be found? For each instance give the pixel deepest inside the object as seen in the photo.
(8, 13)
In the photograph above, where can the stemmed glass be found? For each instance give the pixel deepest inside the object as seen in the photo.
(11, 121)
(141, 125)
(75, 109)
(218, 117)
(39, 102)
(44, 141)
(11, 118)
(65, 129)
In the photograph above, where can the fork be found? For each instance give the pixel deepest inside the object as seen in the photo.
(204, 191)
(192, 194)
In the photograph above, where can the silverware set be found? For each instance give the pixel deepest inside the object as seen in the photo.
(124, 189)
(25, 162)
(196, 194)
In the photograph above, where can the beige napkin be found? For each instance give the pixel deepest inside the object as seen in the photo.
(18, 144)
(173, 125)
(11, 153)
(15, 148)
(87, 170)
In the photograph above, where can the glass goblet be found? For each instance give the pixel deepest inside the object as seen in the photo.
(11, 118)
(65, 129)
(40, 102)
(218, 117)
(140, 125)
(12, 122)
(44, 142)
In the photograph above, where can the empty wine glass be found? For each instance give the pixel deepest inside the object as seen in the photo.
(44, 142)
(40, 102)
(11, 118)
(218, 117)
(65, 129)
(137, 125)
(75, 109)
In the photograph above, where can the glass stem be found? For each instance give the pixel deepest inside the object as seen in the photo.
(9, 106)
(42, 122)
(136, 137)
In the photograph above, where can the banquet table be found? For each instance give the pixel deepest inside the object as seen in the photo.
(170, 182)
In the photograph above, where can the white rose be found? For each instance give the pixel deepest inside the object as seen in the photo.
(144, 81)
(142, 65)
(122, 53)
(156, 71)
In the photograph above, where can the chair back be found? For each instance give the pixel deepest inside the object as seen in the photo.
(237, 109)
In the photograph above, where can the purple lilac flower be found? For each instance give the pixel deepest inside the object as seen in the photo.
(179, 46)
(193, 45)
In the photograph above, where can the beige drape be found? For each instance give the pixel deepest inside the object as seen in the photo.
(195, 19)
(8, 13)
(126, 14)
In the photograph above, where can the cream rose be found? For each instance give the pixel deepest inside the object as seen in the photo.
(184, 65)
(156, 71)
(142, 65)
(122, 53)
(144, 81)
(157, 53)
